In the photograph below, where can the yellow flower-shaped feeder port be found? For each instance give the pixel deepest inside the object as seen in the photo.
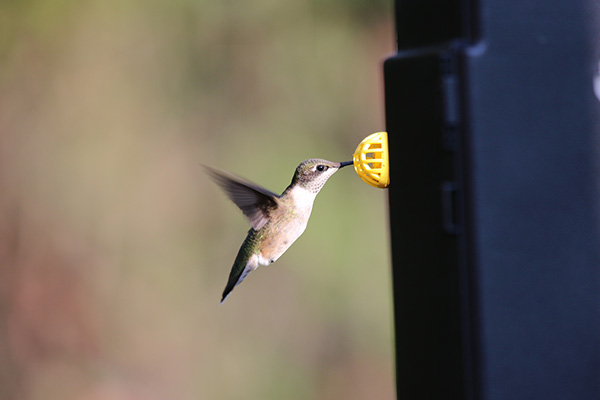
(371, 160)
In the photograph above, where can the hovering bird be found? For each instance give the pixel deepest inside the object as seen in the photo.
(277, 220)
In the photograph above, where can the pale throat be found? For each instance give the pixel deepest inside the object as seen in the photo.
(303, 199)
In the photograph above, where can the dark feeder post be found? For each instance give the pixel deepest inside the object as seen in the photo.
(494, 141)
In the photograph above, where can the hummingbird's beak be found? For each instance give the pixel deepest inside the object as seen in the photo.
(343, 164)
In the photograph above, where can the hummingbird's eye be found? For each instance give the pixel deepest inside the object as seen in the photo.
(322, 168)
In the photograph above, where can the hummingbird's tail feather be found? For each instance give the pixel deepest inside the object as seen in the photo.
(237, 275)
(245, 262)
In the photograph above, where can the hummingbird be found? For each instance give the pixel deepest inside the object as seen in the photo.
(277, 220)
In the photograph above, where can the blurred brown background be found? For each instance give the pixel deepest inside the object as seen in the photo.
(115, 246)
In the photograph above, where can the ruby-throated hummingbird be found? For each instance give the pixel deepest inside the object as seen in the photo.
(277, 220)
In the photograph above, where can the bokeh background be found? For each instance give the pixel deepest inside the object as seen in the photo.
(115, 246)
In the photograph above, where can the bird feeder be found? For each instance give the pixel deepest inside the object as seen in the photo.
(371, 160)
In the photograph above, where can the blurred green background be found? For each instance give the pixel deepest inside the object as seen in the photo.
(115, 246)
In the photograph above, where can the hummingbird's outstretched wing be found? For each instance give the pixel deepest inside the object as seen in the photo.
(256, 202)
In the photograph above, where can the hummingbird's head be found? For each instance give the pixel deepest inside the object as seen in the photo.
(312, 174)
